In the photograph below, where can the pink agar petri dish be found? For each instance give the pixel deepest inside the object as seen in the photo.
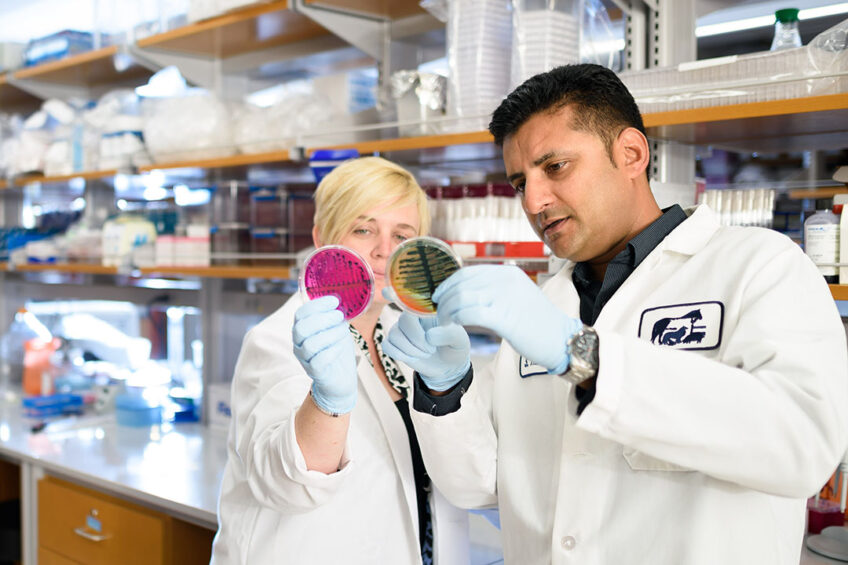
(416, 269)
(335, 270)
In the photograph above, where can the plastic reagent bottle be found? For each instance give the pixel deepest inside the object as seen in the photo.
(821, 242)
(786, 35)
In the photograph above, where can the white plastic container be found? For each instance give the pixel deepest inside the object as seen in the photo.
(821, 243)
(545, 34)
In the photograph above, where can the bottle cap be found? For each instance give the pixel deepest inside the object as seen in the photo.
(787, 15)
(837, 208)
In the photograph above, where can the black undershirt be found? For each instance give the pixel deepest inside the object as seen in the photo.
(422, 479)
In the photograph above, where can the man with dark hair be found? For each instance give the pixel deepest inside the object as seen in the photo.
(670, 397)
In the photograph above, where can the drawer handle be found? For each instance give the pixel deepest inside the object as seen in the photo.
(81, 532)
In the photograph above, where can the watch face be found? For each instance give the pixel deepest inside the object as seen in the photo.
(586, 347)
(584, 356)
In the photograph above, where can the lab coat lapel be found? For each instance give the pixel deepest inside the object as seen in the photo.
(394, 429)
(685, 240)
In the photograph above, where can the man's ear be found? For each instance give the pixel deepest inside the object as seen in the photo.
(634, 151)
(316, 237)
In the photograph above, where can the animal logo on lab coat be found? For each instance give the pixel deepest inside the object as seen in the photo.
(683, 326)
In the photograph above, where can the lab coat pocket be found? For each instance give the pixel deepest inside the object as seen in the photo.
(639, 461)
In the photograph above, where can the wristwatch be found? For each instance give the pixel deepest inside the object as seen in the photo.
(583, 348)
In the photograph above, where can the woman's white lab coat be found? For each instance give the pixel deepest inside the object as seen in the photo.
(720, 407)
(273, 510)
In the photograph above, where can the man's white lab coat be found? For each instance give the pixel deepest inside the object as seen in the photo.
(720, 407)
(273, 510)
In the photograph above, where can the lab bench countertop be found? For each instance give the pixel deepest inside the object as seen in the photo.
(173, 467)
(176, 468)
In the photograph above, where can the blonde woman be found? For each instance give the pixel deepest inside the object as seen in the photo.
(324, 465)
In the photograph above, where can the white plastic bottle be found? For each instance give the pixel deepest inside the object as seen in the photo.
(786, 34)
(821, 242)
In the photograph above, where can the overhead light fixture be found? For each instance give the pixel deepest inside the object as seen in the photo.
(766, 21)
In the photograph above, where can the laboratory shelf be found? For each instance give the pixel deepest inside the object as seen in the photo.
(389, 9)
(89, 69)
(251, 29)
(13, 99)
(87, 175)
(822, 192)
(221, 272)
(409, 143)
(839, 291)
(222, 162)
(778, 125)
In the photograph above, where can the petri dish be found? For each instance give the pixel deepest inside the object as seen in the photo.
(416, 269)
(338, 271)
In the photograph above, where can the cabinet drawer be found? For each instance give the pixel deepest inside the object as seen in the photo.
(96, 529)
(47, 557)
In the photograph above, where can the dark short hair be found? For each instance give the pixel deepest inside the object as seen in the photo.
(602, 103)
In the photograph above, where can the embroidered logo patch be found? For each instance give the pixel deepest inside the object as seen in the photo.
(697, 325)
(526, 368)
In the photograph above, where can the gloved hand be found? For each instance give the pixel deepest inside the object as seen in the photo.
(440, 353)
(325, 349)
(505, 300)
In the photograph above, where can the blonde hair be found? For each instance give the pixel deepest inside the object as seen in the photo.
(360, 185)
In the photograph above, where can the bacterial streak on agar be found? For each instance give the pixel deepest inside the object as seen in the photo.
(340, 272)
(416, 270)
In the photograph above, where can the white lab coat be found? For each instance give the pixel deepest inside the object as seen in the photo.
(685, 457)
(273, 510)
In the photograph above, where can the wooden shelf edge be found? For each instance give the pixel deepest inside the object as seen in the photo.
(747, 110)
(823, 192)
(218, 22)
(407, 143)
(839, 291)
(87, 175)
(379, 8)
(222, 272)
(215, 271)
(79, 59)
(221, 162)
(75, 268)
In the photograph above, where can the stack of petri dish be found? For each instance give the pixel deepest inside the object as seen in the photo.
(479, 42)
(544, 37)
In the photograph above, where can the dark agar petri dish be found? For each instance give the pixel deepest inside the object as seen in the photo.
(416, 269)
(341, 272)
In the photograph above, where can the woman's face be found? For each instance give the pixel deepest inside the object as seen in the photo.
(377, 233)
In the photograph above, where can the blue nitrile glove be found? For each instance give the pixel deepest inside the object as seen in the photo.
(440, 353)
(325, 348)
(505, 300)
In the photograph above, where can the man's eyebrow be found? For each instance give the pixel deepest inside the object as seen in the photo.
(536, 163)
(514, 176)
(543, 158)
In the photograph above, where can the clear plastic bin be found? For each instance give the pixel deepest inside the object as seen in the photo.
(301, 211)
(268, 207)
(231, 203)
(819, 68)
(230, 239)
(270, 241)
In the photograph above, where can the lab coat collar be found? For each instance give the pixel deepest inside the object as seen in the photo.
(693, 233)
(688, 238)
